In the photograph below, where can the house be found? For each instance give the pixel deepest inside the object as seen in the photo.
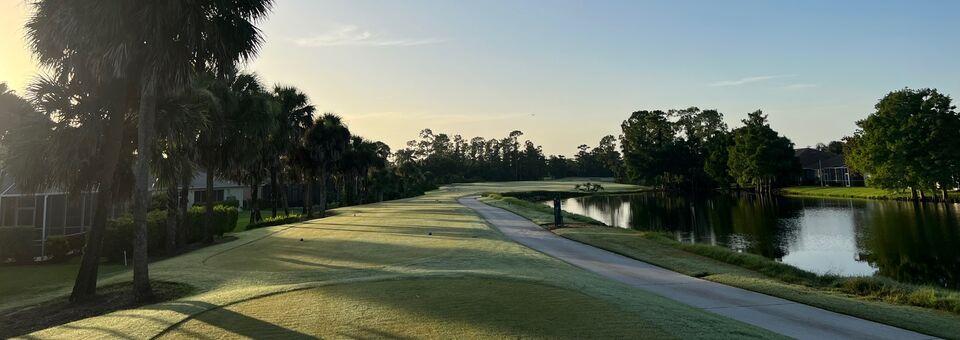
(57, 213)
(223, 190)
(825, 169)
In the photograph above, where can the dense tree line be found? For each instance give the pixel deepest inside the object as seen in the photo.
(445, 159)
(601, 161)
(692, 149)
(910, 142)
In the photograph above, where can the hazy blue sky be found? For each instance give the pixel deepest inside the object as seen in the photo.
(568, 72)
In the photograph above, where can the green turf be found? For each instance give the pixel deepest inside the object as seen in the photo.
(438, 308)
(381, 269)
(20, 285)
(760, 274)
(857, 192)
(845, 192)
(243, 218)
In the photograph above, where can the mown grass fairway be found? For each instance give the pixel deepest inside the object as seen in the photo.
(423, 267)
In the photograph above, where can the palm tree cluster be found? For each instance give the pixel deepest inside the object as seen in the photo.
(118, 65)
(142, 96)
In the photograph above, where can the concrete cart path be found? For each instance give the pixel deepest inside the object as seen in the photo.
(781, 316)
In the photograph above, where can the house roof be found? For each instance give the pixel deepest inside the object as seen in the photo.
(814, 159)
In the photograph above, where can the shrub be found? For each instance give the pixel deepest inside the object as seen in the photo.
(588, 187)
(119, 235)
(224, 220)
(16, 243)
(230, 202)
(58, 248)
(77, 242)
(279, 220)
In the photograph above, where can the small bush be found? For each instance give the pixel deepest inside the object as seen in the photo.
(58, 248)
(16, 243)
(77, 242)
(588, 187)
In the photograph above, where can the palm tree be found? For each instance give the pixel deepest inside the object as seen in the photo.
(182, 117)
(137, 50)
(295, 115)
(253, 122)
(326, 142)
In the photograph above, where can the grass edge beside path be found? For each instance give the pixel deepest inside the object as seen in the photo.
(658, 250)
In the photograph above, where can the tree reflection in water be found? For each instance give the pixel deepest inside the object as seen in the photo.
(905, 241)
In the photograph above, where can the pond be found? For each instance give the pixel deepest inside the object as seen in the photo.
(901, 240)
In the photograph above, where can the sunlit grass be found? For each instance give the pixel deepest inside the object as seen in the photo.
(872, 298)
(400, 250)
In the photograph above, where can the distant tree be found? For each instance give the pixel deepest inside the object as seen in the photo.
(607, 157)
(559, 167)
(759, 157)
(649, 146)
(717, 157)
(835, 147)
(326, 142)
(911, 141)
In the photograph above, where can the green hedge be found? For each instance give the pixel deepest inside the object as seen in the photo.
(279, 220)
(16, 243)
(119, 235)
(224, 220)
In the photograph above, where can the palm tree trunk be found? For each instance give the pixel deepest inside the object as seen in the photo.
(185, 182)
(324, 178)
(172, 217)
(356, 188)
(308, 198)
(85, 285)
(283, 197)
(208, 211)
(273, 189)
(254, 204)
(145, 131)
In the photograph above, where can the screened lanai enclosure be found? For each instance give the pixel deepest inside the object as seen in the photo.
(48, 213)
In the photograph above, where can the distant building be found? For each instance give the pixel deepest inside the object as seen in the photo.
(825, 169)
(223, 190)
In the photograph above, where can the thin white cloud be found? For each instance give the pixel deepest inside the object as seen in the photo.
(801, 86)
(350, 35)
(747, 80)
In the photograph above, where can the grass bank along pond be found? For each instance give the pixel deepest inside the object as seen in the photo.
(906, 241)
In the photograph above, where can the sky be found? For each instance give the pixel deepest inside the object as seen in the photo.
(567, 73)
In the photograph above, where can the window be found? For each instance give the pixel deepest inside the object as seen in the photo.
(25, 210)
(8, 211)
(56, 214)
(74, 214)
(199, 196)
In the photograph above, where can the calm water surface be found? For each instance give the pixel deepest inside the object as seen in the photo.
(902, 240)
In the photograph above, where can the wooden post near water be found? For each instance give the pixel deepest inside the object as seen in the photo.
(557, 212)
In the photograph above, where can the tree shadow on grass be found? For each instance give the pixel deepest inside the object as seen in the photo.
(426, 307)
(60, 311)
